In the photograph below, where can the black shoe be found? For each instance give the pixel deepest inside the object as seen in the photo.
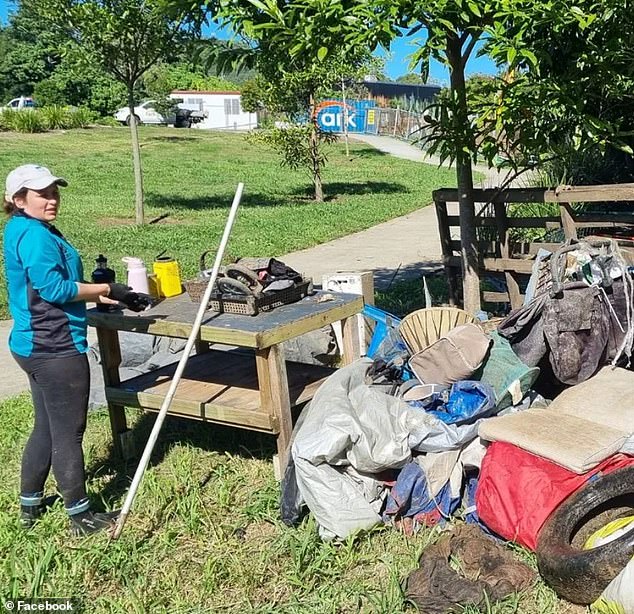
(29, 514)
(87, 523)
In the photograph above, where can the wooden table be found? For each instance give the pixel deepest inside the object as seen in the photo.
(251, 388)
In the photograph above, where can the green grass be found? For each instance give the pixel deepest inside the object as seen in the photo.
(204, 535)
(190, 179)
(406, 296)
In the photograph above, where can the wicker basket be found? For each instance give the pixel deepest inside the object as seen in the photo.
(196, 287)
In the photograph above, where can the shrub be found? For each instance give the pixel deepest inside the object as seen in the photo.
(55, 117)
(589, 167)
(81, 118)
(108, 121)
(50, 92)
(28, 121)
(7, 120)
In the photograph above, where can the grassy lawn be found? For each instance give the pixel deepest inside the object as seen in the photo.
(204, 535)
(190, 178)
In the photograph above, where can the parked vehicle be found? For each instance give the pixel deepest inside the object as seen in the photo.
(146, 113)
(23, 102)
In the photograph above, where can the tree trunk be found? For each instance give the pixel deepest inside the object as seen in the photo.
(136, 160)
(314, 153)
(464, 176)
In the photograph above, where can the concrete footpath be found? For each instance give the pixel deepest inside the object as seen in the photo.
(491, 177)
(399, 249)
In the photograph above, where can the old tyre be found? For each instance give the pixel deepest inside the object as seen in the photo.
(227, 285)
(580, 575)
(129, 120)
(245, 275)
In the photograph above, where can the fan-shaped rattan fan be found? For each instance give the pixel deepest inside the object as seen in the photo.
(424, 326)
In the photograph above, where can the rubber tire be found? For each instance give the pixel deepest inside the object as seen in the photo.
(580, 576)
(227, 285)
(245, 275)
(138, 121)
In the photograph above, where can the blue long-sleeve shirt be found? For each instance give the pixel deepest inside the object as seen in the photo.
(42, 271)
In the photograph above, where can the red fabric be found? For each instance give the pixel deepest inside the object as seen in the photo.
(517, 490)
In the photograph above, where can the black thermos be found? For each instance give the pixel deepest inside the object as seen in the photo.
(102, 275)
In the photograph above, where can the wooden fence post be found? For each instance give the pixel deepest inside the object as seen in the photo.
(447, 251)
(512, 286)
(568, 221)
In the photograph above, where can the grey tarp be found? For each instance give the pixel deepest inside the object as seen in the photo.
(349, 433)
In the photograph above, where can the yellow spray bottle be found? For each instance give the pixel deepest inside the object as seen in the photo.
(167, 276)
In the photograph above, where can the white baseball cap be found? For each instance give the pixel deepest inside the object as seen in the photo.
(31, 176)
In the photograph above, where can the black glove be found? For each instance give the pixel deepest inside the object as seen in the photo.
(135, 301)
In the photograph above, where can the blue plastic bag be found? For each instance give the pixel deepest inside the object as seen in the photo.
(468, 400)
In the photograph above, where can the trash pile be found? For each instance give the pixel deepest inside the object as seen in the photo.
(445, 420)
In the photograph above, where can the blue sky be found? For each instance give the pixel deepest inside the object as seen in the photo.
(397, 59)
(4, 9)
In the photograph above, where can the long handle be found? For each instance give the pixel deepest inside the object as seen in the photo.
(149, 446)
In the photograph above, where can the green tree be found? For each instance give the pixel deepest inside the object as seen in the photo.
(162, 78)
(411, 78)
(81, 83)
(570, 70)
(29, 51)
(128, 37)
(272, 33)
(563, 63)
(534, 103)
(33, 62)
(252, 96)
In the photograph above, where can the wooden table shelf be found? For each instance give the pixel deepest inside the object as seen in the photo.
(218, 386)
(252, 388)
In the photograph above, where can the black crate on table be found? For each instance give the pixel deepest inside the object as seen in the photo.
(248, 305)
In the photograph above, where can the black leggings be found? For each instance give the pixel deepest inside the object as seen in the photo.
(60, 388)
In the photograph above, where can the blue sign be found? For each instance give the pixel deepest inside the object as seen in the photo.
(358, 114)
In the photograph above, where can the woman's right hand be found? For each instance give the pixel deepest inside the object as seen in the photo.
(135, 301)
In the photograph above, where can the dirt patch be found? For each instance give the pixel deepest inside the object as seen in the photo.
(260, 531)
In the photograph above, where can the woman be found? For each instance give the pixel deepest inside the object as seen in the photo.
(47, 299)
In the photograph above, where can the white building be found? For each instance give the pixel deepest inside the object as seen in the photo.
(222, 108)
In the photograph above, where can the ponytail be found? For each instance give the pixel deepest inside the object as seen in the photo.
(9, 206)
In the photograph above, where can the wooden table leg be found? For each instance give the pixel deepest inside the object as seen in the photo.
(274, 397)
(202, 347)
(351, 345)
(110, 360)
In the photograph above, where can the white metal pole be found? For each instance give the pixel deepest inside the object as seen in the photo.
(345, 117)
(396, 120)
(149, 446)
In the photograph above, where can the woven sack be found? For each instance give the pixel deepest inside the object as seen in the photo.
(452, 358)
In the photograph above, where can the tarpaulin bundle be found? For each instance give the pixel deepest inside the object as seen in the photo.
(348, 435)
(468, 400)
(411, 497)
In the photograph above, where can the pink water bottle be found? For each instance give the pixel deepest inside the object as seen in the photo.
(137, 274)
